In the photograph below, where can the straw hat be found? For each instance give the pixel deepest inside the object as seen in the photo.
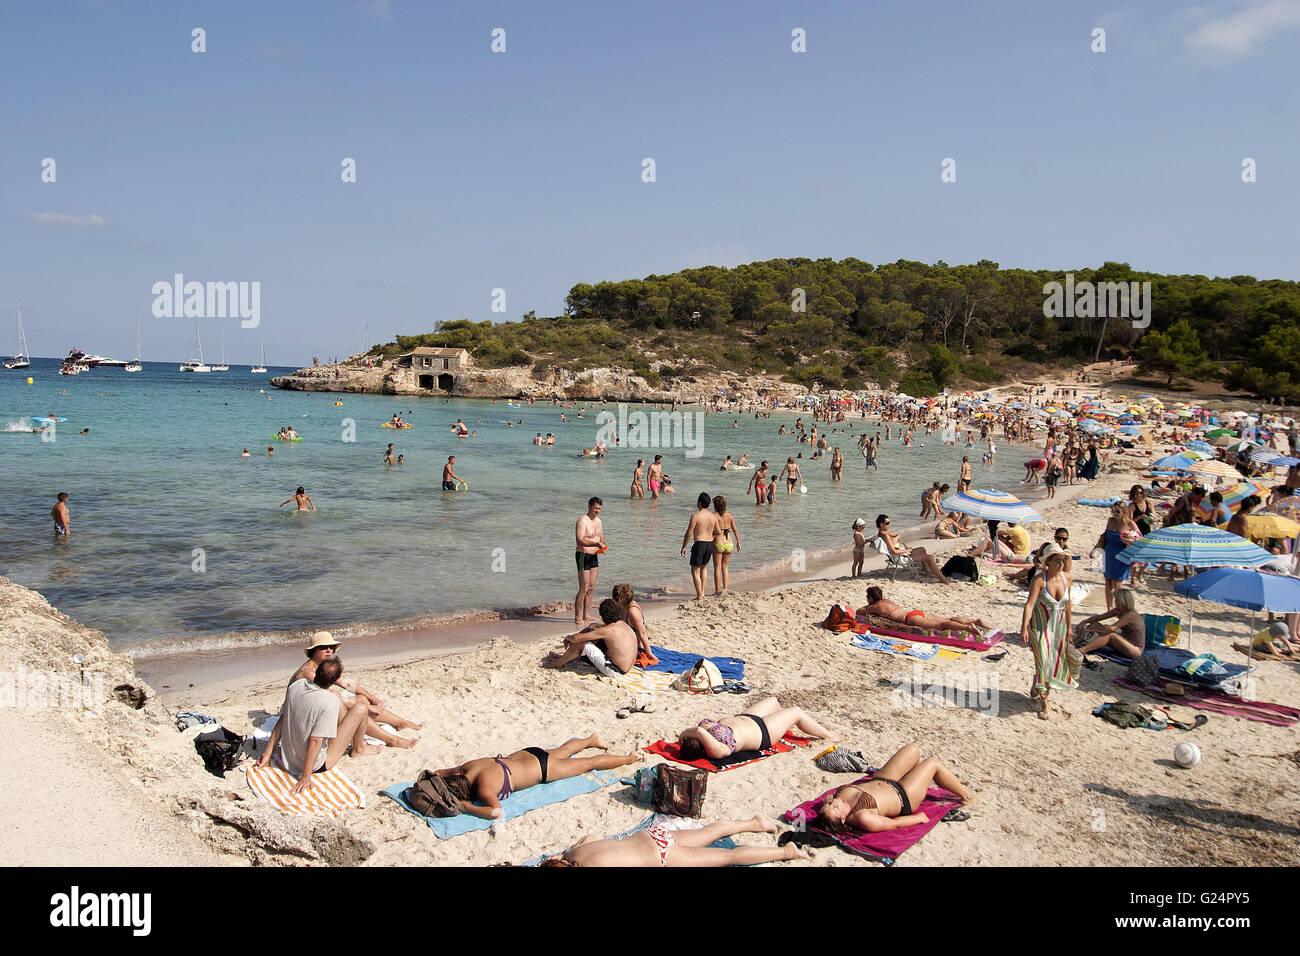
(321, 639)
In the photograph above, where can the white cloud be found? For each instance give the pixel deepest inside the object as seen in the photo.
(381, 10)
(1240, 33)
(93, 221)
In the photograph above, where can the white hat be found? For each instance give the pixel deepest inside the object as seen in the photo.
(321, 639)
(860, 522)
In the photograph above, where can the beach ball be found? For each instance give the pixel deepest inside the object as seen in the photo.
(261, 391)
(1187, 755)
(31, 381)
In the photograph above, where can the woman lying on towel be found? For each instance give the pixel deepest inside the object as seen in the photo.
(492, 779)
(659, 846)
(764, 724)
(931, 622)
(887, 800)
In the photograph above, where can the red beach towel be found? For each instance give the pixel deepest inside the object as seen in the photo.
(888, 845)
(673, 752)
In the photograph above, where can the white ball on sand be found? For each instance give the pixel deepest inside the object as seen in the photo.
(1187, 755)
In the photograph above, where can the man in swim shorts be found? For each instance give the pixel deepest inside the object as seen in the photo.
(449, 476)
(60, 515)
(589, 539)
(881, 607)
(655, 476)
(701, 530)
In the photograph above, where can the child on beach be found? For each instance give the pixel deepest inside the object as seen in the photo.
(859, 547)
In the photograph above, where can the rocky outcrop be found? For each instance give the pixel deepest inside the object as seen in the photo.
(613, 384)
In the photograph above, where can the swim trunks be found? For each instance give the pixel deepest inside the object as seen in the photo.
(59, 529)
(585, 561)
(701, 553)
(654, 484)
(449, 486)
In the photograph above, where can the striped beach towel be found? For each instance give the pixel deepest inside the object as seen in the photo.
(638, 679)
(330, 794)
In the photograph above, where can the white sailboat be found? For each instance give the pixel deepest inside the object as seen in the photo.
(134, 365)
(20, 359)
(260, 367)
(195, 363)
(223, 367)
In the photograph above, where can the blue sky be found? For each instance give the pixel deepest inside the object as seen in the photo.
(522, 170)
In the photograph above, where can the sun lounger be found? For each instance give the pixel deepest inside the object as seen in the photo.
(516, 805)
(888, 845)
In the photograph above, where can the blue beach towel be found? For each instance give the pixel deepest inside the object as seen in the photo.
(515, 805)
(1174, 666)
(1100, 502)
(675, 662)
(672, 823)
(891, 646)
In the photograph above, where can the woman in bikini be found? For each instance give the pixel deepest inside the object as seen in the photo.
(637, 490)
(658, 846)
(492, 779)
(723, 546)
(764, 723)
(888, 800)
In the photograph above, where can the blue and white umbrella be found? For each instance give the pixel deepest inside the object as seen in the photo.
(990, 506)
(1196, 546)
(1266, 457)
(1173, 463)
(1201, 446)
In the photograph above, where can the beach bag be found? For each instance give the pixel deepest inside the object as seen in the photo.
(961, 564)
(841, 618)
(1144, 671)
(220, 750)
(1073, 661)
(679, 792)
(700, 679)
(644, 784)
(429, 796)
(841, 760)
(1162, 630)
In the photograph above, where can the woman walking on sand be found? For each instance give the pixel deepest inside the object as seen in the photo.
(1045, 627)
(722, 543)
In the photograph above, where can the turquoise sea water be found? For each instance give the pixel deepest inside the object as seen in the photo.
(160, 475)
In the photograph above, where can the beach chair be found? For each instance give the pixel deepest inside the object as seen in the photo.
(894, 562)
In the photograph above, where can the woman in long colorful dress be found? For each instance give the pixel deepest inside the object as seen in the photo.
(1045, 627)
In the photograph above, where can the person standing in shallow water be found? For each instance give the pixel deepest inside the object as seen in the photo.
(699, 535)
(589, 539)
(723, 544)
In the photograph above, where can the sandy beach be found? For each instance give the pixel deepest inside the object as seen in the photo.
(1073, 790)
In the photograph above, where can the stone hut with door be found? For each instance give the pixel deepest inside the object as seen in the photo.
(435, 369)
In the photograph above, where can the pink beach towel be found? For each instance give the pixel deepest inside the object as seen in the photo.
(947, 638)
(1198, 698)
(888, 846)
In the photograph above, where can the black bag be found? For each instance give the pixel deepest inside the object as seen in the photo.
(962, 564)
(220, 750)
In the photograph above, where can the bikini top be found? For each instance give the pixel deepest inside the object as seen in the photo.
(505, 785)
(720, 732)
(865, 800)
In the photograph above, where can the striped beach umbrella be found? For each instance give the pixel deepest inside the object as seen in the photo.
(990, 506)
(1195, 546)
(1267, 456)
(1215, 469)
(1233, 496)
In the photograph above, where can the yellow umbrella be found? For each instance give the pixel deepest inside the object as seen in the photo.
(1271, 526)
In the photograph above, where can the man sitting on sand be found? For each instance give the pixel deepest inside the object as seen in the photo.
(321, 647)
(613, 642)
(315, 729)
(880, 607)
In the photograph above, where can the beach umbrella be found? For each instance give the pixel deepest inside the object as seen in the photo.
(1219, 432)
(1287, 508)
(1215, 469)
(1233, 496)
(1196, 546)
(1130, 430)
(1201, 446)
(990, 505)
(1242, 587)
(1268, 457)
(1173, 463)
(1272, 526)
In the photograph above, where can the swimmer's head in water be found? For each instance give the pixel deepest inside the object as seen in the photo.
(301, 490)
(610, 611)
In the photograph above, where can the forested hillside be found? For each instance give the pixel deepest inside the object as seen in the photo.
(843, 323)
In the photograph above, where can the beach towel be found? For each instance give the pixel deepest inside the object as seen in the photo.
(655, 819)
(676, 662)
(888, 845)
(884, 627)
(890, 645)
(515, 805)
(1100, 502)
(1200, 699)
(1172, 661)
(330, 794)
(673, 752)
(636, 679)
(1262, 653)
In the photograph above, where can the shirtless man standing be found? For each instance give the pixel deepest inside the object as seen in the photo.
(701, 530)
(881, 607)
(758, 484)
(60, 515)
(655, 476)
(449, 477)
(589, 540)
